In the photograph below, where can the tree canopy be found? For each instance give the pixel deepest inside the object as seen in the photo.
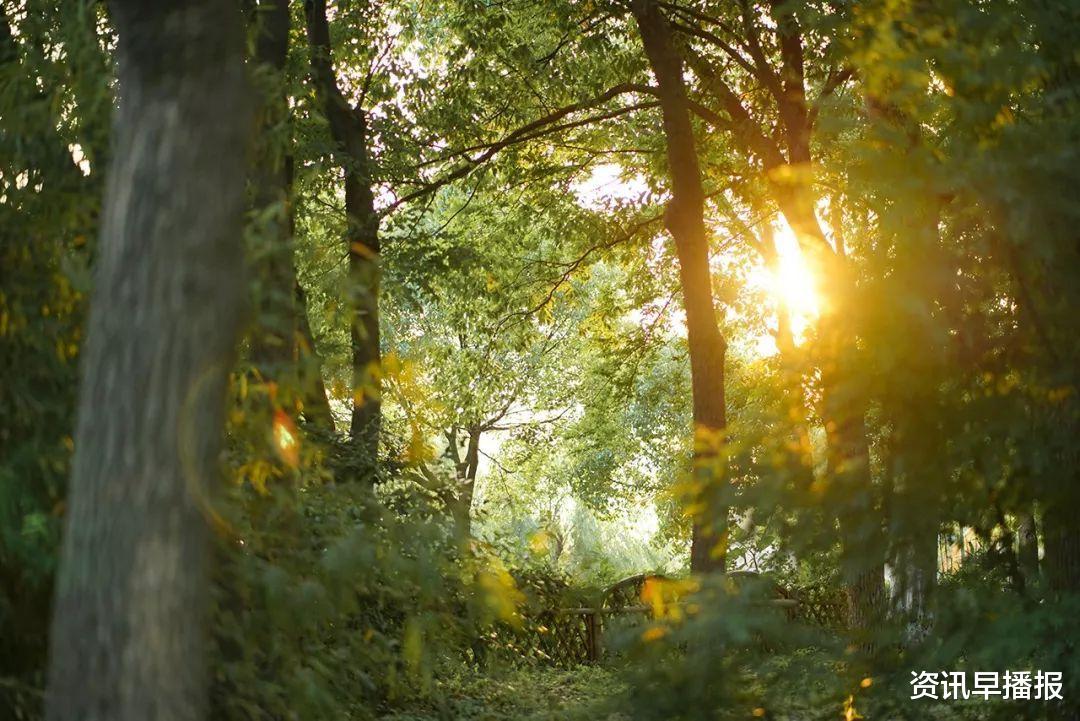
(371, 359)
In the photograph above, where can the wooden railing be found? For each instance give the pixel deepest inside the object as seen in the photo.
(574, 635)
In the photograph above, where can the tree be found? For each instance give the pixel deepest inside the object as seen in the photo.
(282, 349)
(126, 640)
(778, 62)
(350, 130)
(465, 308)
(685, 220)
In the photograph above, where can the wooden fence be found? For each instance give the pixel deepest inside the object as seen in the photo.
(571, 636)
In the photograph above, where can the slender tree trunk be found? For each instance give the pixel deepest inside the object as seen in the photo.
(1027, 541)
(126, 641)
(1061, 536)
(273, 337)
(788, 181)
(274, 331)
(791, 367)
(466, 472)
(685, 220)
(282, 350)
(316, 401)
(348, 126)
(364, 275)
(843, 407)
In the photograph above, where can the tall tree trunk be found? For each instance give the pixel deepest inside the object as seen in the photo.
(316, 401)
(1027, 541)
(918, 501)
(273, 333)
(913, 520)
(364, 275)
(348, 126)
(282, 350)
(1061, 537)
(685, 220)
(789, 182)
(126, 642)
(275, 329)
(791, 366)
(914, 562)
(862, 537)
(843, 406)
(466, 474)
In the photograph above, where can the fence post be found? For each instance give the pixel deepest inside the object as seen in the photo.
(593, 635)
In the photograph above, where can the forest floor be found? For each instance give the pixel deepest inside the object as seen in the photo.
(532, 694)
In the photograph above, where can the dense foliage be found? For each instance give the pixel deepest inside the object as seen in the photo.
(471, 228)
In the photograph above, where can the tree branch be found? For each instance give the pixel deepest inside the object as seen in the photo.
(531, 131)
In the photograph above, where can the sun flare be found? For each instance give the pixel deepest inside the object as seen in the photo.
(793, 283)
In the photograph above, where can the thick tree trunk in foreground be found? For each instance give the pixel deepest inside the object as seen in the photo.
(685, 220)
(126, 641)
(914, 561)
(913, 516)
(348, 126)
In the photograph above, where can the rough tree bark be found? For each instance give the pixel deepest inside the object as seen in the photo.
(914, 522)
(126, 642)
(685, 220)
(349, 128)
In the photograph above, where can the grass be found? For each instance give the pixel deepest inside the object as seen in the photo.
(528, 694)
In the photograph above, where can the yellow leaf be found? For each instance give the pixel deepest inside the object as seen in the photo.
(540, 542)
(653, 633)
(850, 714)
(362, 250)
(286, 439)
